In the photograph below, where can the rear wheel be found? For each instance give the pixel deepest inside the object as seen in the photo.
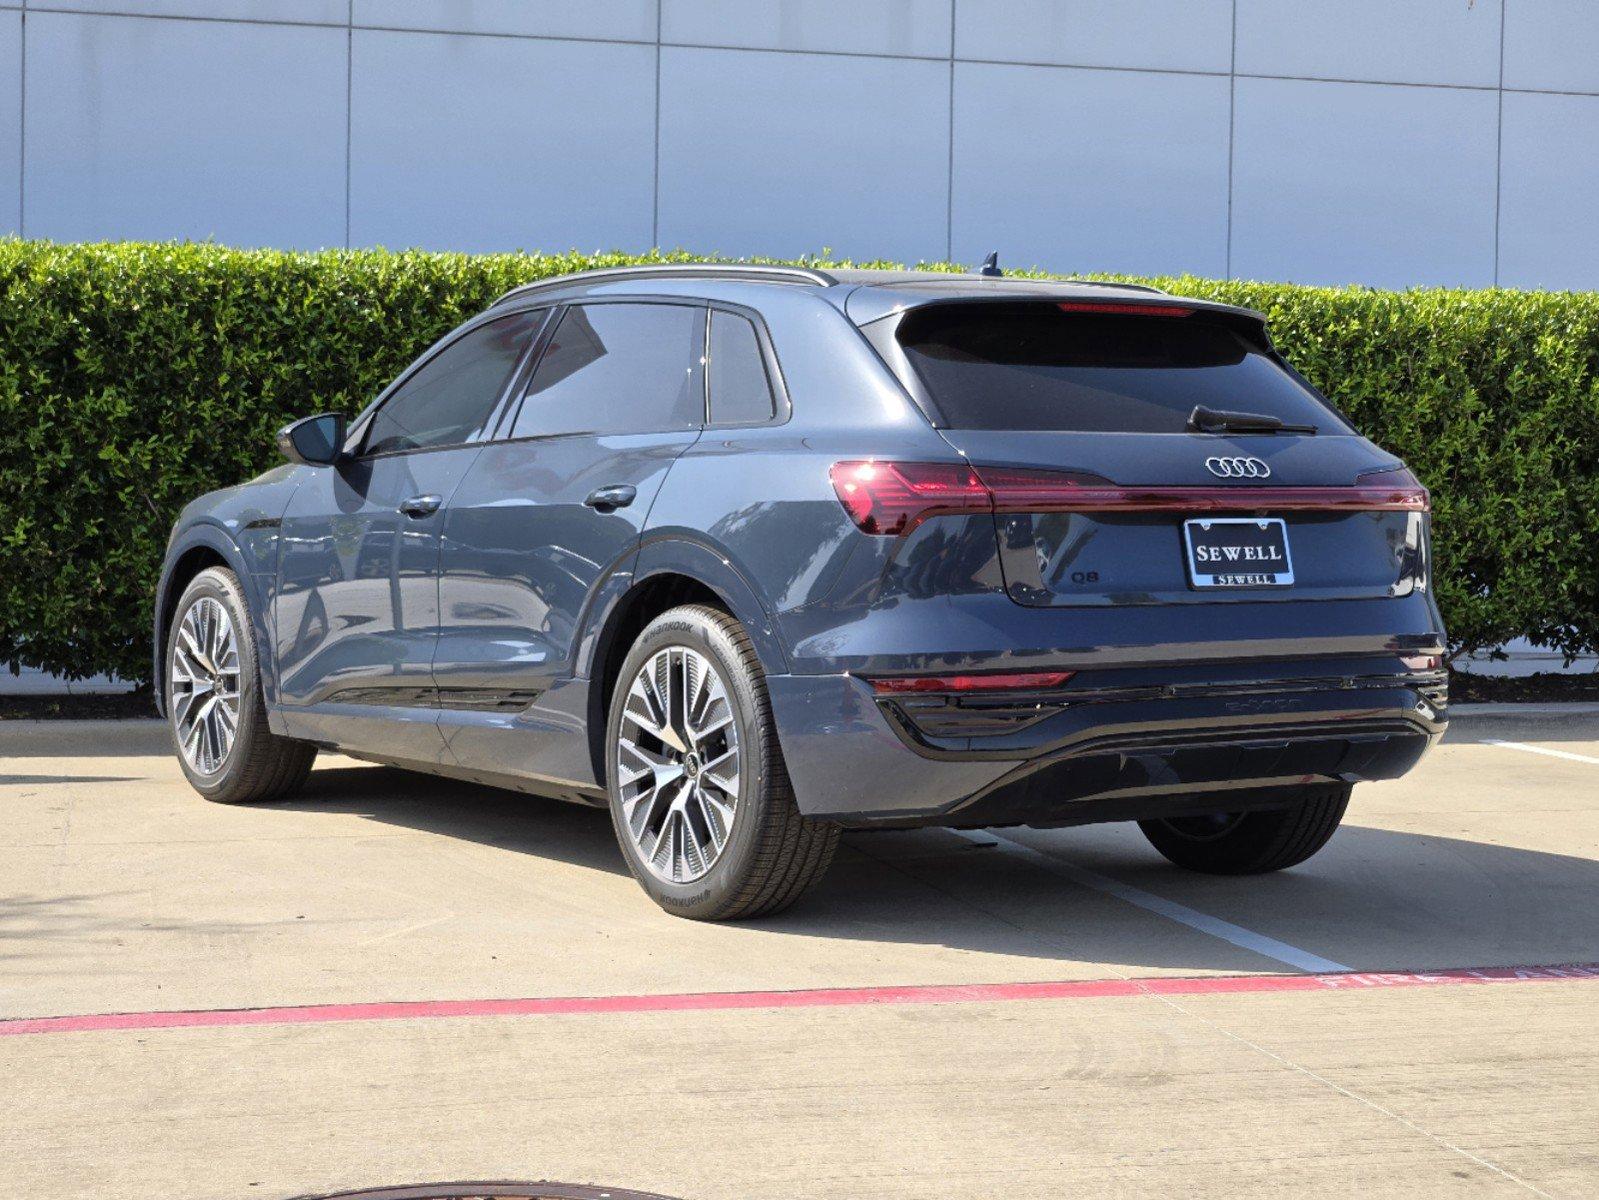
(214, 705)
(700, 798)
(1252, 843)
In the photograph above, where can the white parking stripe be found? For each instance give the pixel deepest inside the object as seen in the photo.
(1585, 758)
(1225, 930)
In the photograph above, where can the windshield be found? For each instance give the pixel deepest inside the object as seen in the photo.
(1034, 367)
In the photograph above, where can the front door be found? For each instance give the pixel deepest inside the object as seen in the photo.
(549, 515)
(357, 608)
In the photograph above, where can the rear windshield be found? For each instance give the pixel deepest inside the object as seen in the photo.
(1032, 366)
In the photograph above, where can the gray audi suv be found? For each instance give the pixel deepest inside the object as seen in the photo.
(751, 555)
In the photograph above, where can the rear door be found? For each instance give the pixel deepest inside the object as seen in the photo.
(549, 514)
(1132, 507)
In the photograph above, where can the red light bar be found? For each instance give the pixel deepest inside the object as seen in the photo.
(1126, 310)
(1209, 499)
(1013, 681)
(892, 498)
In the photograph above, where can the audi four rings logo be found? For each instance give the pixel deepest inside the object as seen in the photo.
(1237, 468)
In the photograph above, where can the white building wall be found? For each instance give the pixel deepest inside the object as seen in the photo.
(1385, 142)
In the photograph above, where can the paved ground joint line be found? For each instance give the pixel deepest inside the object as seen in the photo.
(1569, 755)
(1237, 935)
(1437, 1140)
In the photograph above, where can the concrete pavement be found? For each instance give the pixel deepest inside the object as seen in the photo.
(122, 891)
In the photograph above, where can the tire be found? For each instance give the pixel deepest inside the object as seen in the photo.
(255, 764)
(1252, 843)
(667, 813)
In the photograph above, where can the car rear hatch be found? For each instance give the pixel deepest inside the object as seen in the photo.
(1110, 489)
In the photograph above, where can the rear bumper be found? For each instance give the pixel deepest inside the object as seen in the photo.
(1118, 752)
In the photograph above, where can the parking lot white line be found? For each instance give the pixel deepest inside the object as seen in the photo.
(1268, 947)
(1574, 757)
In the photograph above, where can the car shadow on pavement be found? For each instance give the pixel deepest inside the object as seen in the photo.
(1374, 899)
(507, 820)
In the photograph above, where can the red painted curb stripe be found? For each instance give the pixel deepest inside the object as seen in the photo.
(977, 993)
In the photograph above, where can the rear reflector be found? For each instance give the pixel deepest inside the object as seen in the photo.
(1014, 681)
(891, 498)
(1126, 310)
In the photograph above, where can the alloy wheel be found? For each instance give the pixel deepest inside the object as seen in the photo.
(677, 764)
(205, 685)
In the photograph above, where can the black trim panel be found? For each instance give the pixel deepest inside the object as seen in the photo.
(470, 699)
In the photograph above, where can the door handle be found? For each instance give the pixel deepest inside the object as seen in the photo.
(421, 506)
(609, 499)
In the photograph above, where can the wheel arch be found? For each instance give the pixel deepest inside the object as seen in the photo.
(671, 572)
(197, 549)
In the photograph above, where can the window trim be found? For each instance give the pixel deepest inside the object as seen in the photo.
(513, 409)
(354, 441)
(782, 408)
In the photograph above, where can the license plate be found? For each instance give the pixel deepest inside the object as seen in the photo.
(1238, 552)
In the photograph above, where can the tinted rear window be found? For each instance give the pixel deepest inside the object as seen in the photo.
(1034, 367)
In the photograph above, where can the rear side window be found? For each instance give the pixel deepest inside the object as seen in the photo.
(1034, 367)
(741, 392)
(448, 399)
(618, 368)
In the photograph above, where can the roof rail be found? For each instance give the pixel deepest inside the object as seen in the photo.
(755, 271)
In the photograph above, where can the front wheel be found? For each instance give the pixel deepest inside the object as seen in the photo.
(699, 795)
(1252, 843)
(214, 703)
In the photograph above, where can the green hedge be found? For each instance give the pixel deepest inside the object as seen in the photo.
(134, 377)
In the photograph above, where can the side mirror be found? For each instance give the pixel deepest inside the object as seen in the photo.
(317, 441)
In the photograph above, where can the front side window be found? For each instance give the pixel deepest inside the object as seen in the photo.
(618, 368)
(450, 397)
(741, 393)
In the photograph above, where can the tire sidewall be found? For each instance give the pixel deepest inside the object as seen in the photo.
(708, 894)
(1261, 840)
(223, 587)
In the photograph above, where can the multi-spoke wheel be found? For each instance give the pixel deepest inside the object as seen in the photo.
(677, 764)
(205, 685)
(1251, 843)
(699, 795)
(219, 721)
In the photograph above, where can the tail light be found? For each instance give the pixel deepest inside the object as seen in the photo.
(1398, 488)
(892, 498)
(1014, 681)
